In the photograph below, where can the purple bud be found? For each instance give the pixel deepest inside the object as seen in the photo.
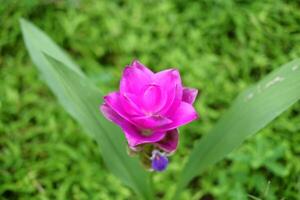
(159, 161)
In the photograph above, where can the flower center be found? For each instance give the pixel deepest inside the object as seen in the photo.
(146, 132)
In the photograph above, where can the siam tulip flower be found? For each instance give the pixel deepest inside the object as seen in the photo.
(149, 107)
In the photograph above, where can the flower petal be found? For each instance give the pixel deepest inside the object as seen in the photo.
(169, 142)
(130, 104)
(151, 122)
(170, 82)
(167, 78)
(133, 135)
(159, 161)
(114, 100)
(110, 114)
(134, 78)
(183, 115)
(189, 95)
(152, 99)
(140, 66)
(175, 103)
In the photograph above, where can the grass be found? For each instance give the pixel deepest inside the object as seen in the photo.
(220, 47)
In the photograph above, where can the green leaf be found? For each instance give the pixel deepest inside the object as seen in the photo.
(250, 112)
(82, 99)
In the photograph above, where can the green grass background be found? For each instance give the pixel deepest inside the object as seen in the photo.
(220, 47)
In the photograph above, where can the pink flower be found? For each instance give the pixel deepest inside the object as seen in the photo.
(149, 107)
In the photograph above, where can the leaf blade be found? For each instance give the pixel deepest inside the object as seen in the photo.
(81, 99)
(250, 112)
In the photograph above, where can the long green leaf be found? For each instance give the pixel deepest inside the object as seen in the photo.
(82, 99)
(251, 111)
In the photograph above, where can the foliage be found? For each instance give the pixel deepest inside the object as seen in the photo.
(220, 47)
(81, 99)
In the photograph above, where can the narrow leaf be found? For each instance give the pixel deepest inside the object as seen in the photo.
(82, 99)
(250, 112)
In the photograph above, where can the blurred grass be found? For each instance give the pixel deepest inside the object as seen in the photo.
(220, 47)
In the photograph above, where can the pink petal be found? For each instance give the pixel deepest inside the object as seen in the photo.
(183, 115)
(170, 83)
(175, 103)
(151, 122)
(113, 100)
(140, 66)
(133, 135)
(129, 103)
(167, 78)
(111, 115)
(152, 99)
(189, 95)
(134, 78)
(170, 141)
